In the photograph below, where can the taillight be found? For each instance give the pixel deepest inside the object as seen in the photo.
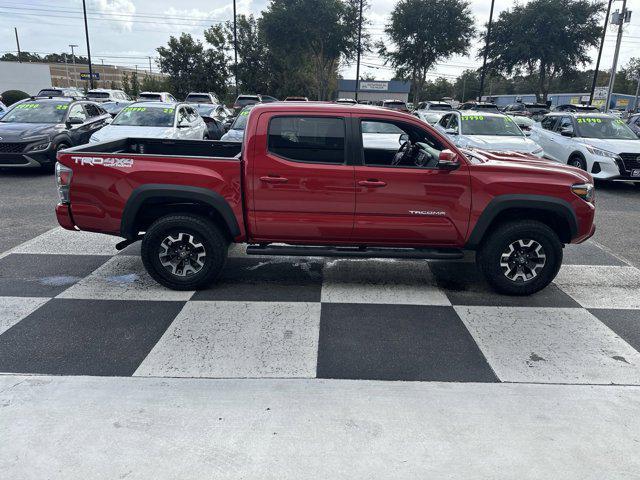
(63, 181)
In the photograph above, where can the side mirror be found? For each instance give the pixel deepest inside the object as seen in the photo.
(183, 124)
(448, 160)
(404, 138)
(73, 121)
(451, 131)
(566, 132)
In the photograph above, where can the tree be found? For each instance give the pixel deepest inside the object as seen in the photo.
(126, 84)
(134, 85)
(192, 67)
(424, 32)
(545, 38)
(322, 31)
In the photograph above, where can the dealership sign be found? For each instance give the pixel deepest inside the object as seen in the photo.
(382, 86)
(600, 92)
(85, 75)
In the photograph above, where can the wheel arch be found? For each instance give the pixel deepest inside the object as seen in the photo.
(554, 212)
(149, 202)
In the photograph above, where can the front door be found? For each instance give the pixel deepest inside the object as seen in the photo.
(407, 201)
(303, 190)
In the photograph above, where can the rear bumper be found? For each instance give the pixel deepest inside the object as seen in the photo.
(63, 214)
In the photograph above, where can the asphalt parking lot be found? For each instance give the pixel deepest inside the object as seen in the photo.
(325, 353)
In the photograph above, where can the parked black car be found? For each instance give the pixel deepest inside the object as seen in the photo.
(33, 130)
(532, 110)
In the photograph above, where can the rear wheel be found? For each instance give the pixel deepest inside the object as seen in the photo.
(520, 258)
(184, 252)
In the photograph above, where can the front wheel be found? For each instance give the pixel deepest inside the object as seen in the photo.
(520, 258)
(578, 162)
(184, 252)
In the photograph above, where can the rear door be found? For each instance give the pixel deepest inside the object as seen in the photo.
(302, 185)
(545, 137)
(412, 203)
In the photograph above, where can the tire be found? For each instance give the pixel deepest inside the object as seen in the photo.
(50, 167)
(205, 248)
(578, 162)
(513, 274)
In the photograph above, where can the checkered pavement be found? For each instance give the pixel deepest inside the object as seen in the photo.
(71, 305)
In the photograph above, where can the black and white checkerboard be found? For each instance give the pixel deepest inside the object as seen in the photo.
(70, 306)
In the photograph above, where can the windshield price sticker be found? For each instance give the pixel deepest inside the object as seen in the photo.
(472, 117)
(28, 105)
(62, 107)
(135, 109)
(168, 110)
(589, 120)
(244, 113)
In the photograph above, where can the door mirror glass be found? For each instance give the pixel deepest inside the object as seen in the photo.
(451, 131)
(448, 160)
(566, 132)
(74, 121)
(404, 138)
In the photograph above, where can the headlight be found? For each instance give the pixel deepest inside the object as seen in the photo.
(585, 191)
(39, 147)
(601, 153)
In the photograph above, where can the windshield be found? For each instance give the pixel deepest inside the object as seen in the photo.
(32, 112)
(198, 98)
(240, 122)
(98, 95)
(609, 128)
(489, 125)
(145, 117)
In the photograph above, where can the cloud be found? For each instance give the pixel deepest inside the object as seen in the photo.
(120, 11)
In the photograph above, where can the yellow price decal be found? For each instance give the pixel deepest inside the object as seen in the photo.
(589, 120)
(62, 107)
(168, 110)
(472, 117)
(28, 105)
(135, 109)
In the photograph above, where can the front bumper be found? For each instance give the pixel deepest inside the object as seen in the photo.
(27, 159)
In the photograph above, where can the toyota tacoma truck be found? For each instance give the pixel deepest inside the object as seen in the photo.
(327, 180)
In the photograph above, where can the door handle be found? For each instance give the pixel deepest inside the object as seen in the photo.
(270, 179)
(372, 183)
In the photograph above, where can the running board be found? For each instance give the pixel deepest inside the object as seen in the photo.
(357, 252)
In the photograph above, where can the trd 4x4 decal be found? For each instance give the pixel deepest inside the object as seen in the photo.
(105, 162)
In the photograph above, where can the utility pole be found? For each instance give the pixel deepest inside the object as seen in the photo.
(635, 102)
(486, 51)
(66, 68)
(75, 72)
(18, 44)
(235, 48)
(149, 65)
(86, 33)
(359, 51)
(621, 19)
(604, 33)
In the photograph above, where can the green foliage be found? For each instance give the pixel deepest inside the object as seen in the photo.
(309, 38)
(35, 58)
(424, 32)
(12, 96)
(134, 85)
(547, 38)
(192, 67)
(126, 84)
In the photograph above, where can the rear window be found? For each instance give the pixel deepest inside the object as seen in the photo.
(98, 95)
(243, 101)
(441, 106)
(151, 96)
(395, 104)
(50, 93)
(198, 98)
(308, 139)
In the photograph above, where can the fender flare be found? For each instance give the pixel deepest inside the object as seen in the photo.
(178, 193)
(499, 204)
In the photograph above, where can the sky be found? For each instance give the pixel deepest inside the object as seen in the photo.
(127, 32)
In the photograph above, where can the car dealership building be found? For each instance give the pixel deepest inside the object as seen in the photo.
(375, 90)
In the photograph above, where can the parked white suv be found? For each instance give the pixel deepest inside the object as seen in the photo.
(487, 131)
(155, 120)
(107, 95)
(601, 144)
(200, 97)
(157, 97)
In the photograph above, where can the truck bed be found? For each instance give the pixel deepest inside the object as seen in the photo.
(159, 146)
(109, 177)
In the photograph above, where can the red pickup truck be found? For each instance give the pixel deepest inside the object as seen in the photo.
(327, 180)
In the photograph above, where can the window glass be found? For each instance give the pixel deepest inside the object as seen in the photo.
(565, 122)
(76, 111)
(192, 115)
(548, 122)
(453, 124)
(308, 139)
(480, 124)
(92, 110)
(145, 117)
(382, 140)
(444, 120)
(605, 128)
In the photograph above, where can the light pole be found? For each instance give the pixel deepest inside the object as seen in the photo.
(486, 51)
(73, 55)
(86, 33)
(359, 51)
(18, 44)
(235, 48)
(621, 21)
(66, 68)
(604, 33)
